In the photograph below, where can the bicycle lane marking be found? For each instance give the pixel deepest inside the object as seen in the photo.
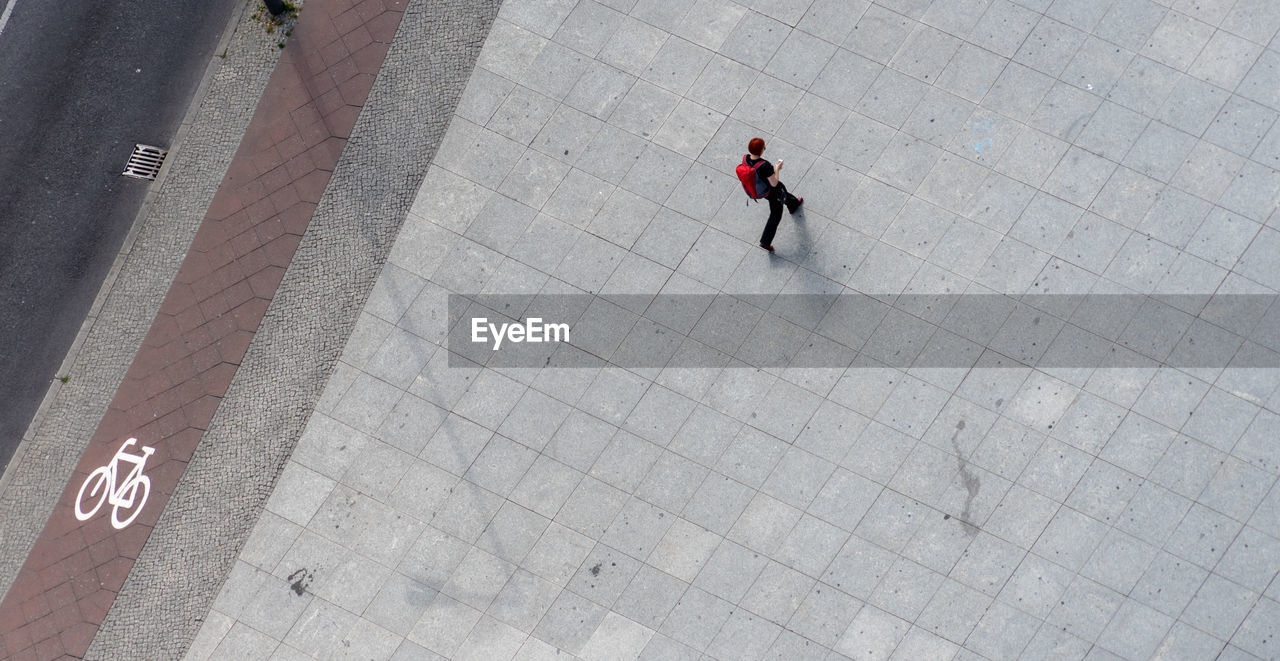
(109, 489)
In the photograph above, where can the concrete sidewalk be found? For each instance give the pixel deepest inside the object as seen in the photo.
(432, 510)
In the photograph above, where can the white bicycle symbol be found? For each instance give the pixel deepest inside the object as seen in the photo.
(124, 497)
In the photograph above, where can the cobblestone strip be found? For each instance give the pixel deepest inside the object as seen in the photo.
(205, 324)
(252, 435)
(122, 316)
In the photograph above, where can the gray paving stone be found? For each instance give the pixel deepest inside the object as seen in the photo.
(1079, 13)
(670, 482)
(676, 65)
(350, 583)
(587, 27)
(650, 596)
(399, 358)
(689, 128)
(824, 615)
(1190, 641)
(521, 115)
(1138, 445)
(764, 524)
(1017, 92)
(1175, 31)
(872, 633)
(953, 611)
(661, 13)
(955, 19)
(524, 600)
(604, 574)
(612, 396)
(708, 22)
(730, 571)
(1002, 632)
(512, 532)
(617, 635)
(1031, 157)
(554, 70)
(378, 471)
(1003, 27)
(1252, 635)
(399, 604)
(780, 592)
(320, 628)
(591, 507)
(744, 636)
(697, 618)
(1036, 586)
(566, 134)
(490, 639)
(1049, 47)
(1252, 446)
(1249, 194)
(445, 625)
(1240, 125)
(891, 98)
(906, 589)
(1237, 488)
(925, 53)
(721, 84)
(1187, 466)
(244, 642)
(1087, 609)
(528, 16)
(1151, 513)
(1219, 606)
(478, 579)
(717, 503)
(939, 542)
(1135, 630)
(857, 569)
(750, 456)
(663, 647)
(919, 643)
(482, 96)
(1162, 480)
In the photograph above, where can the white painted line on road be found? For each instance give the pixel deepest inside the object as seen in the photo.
(4, 18)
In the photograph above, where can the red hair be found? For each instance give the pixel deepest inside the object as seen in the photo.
(755, 147)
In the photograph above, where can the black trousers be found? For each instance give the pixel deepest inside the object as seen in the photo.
(777, 197)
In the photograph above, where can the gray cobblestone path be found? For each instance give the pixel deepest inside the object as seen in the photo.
(1033, 146)
(146, 268)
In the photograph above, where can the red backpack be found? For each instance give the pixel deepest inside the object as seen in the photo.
(756, 188)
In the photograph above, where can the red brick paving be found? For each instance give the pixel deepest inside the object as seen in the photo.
(207, 320)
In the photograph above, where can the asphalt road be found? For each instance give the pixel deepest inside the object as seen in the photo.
(81, 81)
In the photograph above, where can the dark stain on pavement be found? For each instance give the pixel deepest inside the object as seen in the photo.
(301, 579)
(969, 479)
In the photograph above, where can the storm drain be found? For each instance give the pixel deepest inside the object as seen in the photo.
(145, 162)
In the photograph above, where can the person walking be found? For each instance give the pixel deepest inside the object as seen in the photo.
(767, 185)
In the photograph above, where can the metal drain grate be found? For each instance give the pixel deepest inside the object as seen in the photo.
(145, 162)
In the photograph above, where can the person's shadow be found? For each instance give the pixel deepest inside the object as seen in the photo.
(804, 240)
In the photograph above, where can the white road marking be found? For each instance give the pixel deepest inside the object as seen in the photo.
(4, 18)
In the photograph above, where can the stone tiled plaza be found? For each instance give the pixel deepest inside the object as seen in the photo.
(445, 509)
